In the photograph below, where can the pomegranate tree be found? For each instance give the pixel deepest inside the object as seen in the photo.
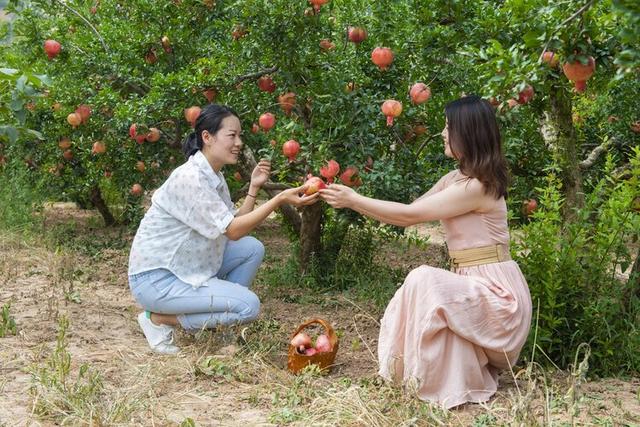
(392, 109)
(350, 177)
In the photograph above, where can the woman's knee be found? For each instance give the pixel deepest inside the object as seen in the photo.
(254, 246)
(252, 309)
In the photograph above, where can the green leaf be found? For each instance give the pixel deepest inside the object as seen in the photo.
(10, 132)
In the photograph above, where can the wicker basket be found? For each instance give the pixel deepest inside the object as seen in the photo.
(297, 361)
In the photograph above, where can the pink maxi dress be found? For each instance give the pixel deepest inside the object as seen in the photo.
(449, 333)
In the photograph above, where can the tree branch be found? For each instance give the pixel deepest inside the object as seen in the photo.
(255, 75)
(594, 155)
(86, 21)
(565, 22)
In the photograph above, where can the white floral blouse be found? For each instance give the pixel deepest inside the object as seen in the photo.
(183, 229)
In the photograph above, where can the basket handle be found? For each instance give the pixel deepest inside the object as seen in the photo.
(322, 322)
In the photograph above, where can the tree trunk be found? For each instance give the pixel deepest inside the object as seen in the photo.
(310, 233)
(567, 150)
(99, 203)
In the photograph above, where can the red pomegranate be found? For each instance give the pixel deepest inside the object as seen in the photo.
(84, 111)
(330, 170)
(191, 114)
(579, 73)
(266, 84)
(326, 44)
(136, 190)
(210, 94)
(314, 184)
(52, 48)
(153, 135)
(419, 93)
(74, 120)
(317, 4)
(350, 177)
(550, 58)
(287, 101)
(267, 121)
(290, 149)
(98, 148)
(391, 108)
(357, 34)
(382, 57)
(525, 95)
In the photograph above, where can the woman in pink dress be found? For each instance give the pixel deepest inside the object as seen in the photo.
(447, 334)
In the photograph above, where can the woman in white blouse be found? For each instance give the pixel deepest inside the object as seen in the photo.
(191, 262)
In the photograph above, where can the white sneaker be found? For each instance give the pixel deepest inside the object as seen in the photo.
(159, 337)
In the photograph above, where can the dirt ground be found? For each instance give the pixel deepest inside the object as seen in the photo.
(90, 289)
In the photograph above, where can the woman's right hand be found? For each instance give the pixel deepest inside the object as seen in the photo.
(297, 198)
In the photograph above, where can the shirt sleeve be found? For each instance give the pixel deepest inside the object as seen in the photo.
(209, 216)
(198, 207)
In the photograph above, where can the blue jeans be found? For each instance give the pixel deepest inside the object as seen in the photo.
(226, 300)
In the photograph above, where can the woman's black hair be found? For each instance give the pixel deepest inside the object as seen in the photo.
(474, 138)
(210, 119)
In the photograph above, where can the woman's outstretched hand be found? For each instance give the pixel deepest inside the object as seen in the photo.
(260, 173)
(297, 198)
(338, 196)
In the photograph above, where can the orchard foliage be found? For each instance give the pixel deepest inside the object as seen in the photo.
(309, 84)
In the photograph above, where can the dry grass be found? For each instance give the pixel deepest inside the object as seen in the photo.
(100, 372)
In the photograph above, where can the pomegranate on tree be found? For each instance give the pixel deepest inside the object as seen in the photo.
(210, 94)
(350, 177)
(290, 149)
(150, 57)
(84, 111)
(382, 57)
(635, 126)
(287, 101)
(74, 120)
(550, 58)
(357, 34)
(317, 4)
(419, 93)
(529, 206)
(191, 114)
(153, 135)
(579, 73)
(140, 166)
(98, 148)
(52, 48)
(64, 143)
(266, 84)
(330, 170)
(68, 154)
(392, 109)
(326, 44)
(525, 95)
(136, 190)
(314, 184)
(267, 121)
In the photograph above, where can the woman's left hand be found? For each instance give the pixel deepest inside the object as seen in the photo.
(260, 173)
(338, 196)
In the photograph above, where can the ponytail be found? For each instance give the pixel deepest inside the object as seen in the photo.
(191, 144)
(209, 119)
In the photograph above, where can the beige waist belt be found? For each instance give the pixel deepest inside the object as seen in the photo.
(478, 256)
